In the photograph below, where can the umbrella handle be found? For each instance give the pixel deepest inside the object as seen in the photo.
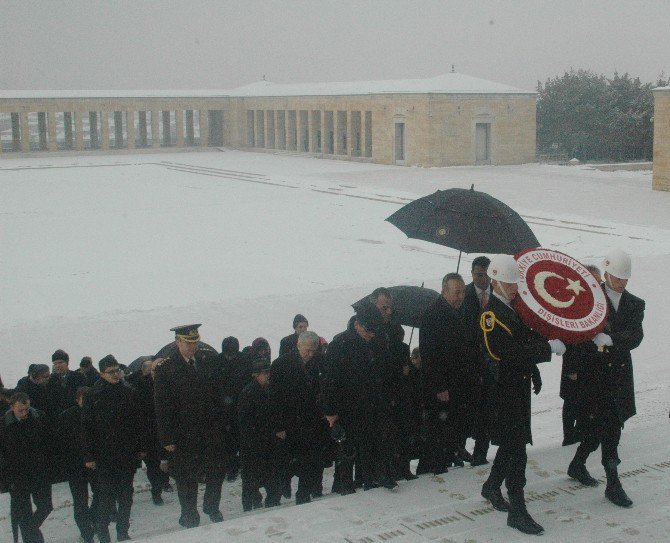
(458, 265)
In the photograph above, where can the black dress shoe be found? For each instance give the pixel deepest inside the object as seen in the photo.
(570, 440)
(167, 487)
(579, 472)
(157, 499)
(464, 455)
(524, 523)
(189, 521)
(494, 495)
(479, 461)
(216, 516)
(617, 495)
(123, 536)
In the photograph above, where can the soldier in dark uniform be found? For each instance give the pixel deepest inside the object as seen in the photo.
(190, 422)
(605, 379)
(515, 349)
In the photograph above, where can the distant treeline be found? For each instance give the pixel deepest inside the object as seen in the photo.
(592, 117)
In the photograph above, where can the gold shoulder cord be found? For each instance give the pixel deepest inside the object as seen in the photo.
(487, 323)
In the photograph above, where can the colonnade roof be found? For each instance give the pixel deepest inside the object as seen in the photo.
(661, 89)
(451, 83)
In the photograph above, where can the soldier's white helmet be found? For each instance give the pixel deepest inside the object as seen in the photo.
(618, 264)
(504, 268)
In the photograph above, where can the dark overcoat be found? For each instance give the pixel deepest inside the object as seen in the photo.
(26, 451)
(112, 430)
(606, 378)
(518, 349)
(190, 414)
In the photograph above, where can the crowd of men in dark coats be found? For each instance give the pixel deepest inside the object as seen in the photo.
(363, 403)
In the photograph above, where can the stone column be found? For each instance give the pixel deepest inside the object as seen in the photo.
(204, 127)
(350, 134)
(312, 131)
(266, 127)
(155, 129)
(78, 131)
(67, 129)
(104, 130)
(130, 128)
(51, 141)
(298, 131)
(25, 131)
(42, 130)
(142, 128)
(179, 126)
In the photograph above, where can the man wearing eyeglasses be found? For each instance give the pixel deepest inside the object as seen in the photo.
(113, 445)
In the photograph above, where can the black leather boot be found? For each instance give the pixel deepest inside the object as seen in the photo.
(518, 516)
(614, 492)
(493, 494)
(577, 470)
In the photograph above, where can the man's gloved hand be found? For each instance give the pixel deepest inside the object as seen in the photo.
(557, 346)
(537, 386)
(602, 340)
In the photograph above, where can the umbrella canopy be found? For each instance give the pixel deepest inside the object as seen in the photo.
(201, 345)
(409, 303)
(137, 363)
(467, 220)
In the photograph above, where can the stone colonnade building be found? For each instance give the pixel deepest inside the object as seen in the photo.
(448, 120)
(661, 177)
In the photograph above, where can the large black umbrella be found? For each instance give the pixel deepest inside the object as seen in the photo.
(165, 350)
(467, 220)
(409, 303)
(137, 363)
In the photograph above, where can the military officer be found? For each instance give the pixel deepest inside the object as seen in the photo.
(606, 379)
(190, 423)
(514, 349)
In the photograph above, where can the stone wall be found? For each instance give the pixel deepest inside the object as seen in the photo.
(661, 176)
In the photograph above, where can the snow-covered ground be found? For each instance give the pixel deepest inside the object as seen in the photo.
(104, 253)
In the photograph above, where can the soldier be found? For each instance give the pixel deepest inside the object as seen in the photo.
(515, 349)
(189, 420)
(605, 379)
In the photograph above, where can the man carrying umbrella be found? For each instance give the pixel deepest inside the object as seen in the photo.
(514, 349)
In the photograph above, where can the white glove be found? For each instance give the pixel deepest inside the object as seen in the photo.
(602, 340)
(557, 346)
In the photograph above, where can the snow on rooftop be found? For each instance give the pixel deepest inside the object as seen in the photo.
(451, 83)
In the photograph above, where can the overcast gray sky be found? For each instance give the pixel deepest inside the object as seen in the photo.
(152, 44)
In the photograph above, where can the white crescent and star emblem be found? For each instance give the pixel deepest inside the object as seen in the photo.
(573, 285)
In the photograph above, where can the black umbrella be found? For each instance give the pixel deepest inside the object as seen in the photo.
(165, 350)
(137, 363)
(467, 220)
(409, 303)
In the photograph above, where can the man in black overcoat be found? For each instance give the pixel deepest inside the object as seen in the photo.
(514, 349)
(354, 395)
(71, 445)
(605, 370)
(63, 383)
(295, 382)
(113, 445)
(25, 461)
(191, 421)
(450, 358)
(288, 343)
(477, 294)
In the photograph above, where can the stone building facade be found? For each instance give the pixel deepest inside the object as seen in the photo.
(444, 121)
(661, 177)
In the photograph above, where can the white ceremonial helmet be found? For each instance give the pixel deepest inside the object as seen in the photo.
(618, 264)
(504, 268)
